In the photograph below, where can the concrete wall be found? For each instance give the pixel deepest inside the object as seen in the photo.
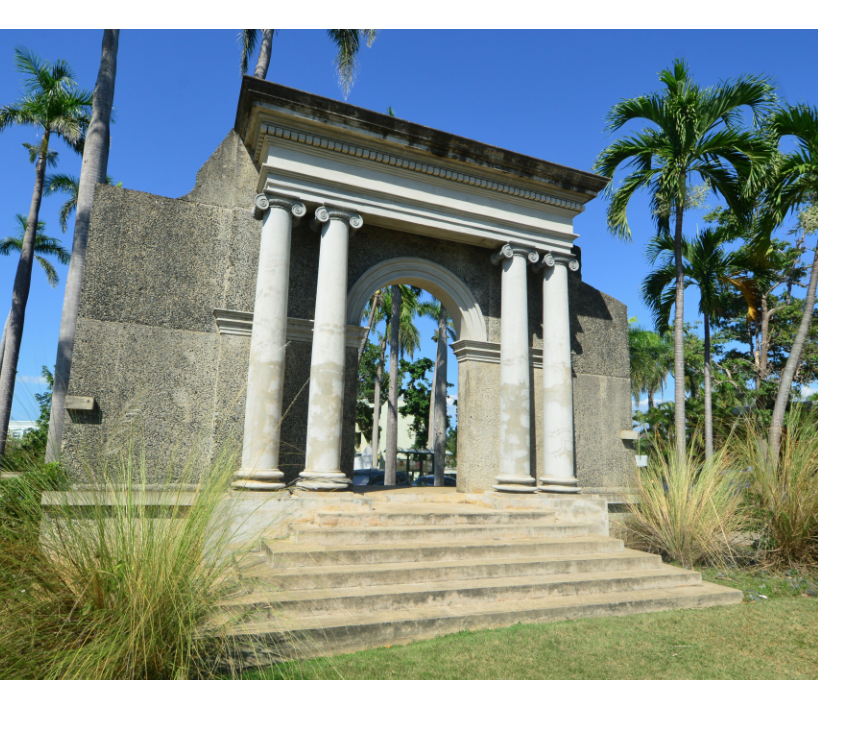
(147, 340)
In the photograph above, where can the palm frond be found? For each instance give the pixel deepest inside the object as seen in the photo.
(348, 45)
(248, 38)
(50, 272)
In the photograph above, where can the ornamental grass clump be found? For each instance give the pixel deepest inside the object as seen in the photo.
(690, 511)
(784, 494)
(121, 578)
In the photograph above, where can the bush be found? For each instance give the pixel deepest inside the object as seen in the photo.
(687, 510)
(125, 587)
(785, 494)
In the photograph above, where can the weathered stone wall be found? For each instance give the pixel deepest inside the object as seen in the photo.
(147, 340)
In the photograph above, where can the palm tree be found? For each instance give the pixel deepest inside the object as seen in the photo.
(438, 401)
(346, 40)
(794, 188)
(409, 338)
(52, 104)
(93, 171)
(708, 266)
(695, 138)
(70, 185)
(651, 359)
(44, 245)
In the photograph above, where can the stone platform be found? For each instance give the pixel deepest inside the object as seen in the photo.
(354, 571)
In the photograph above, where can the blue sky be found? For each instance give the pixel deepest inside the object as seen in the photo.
(542, 93)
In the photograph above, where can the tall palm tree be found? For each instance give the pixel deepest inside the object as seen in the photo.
(44, 245)
(54, 105)
(709, 267)
(409, 339)
(69, 185)
(694, 138)
(794, 188)
(346, 40)
(93, 171)
(438, 400)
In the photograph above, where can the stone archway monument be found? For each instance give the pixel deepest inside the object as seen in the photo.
(258, 278)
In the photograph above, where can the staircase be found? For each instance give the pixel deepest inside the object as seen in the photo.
(399, 571)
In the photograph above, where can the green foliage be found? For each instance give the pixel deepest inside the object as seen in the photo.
(52, 103)
(417, 395)
(693, 136)
(687, 509)
(126, 587)
(785, 494)
(44, 245)
(28, 454)
(651, 360)
(366, 387)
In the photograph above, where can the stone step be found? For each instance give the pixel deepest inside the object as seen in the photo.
(431, 515)
(286, 553)
(311, 535)
(365, 576)
(311, 636)
(403, 596)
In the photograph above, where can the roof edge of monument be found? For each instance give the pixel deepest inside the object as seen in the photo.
(259, 93)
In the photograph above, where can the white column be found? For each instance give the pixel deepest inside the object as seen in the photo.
(328, 360)
(264, 402)
(514, 371)
(558, 432)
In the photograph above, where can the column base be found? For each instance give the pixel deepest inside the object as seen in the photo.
(323, 481)
(515, 484)
(258, 479)
(555, 485)
(515, 488)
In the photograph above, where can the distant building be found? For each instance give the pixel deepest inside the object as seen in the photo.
(404, 439)
(19, 428)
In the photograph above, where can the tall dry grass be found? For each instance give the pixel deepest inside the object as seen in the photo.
(688, 510)
(122, 583)
(784, 494)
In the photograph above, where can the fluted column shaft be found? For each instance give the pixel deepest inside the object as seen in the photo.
(264, 401)
(514, 439)
(558, 432)
(328, 360)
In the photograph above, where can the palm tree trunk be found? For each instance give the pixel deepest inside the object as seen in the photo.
(393, 388)
(376, 408)
(439, 436)
(650, 396)
(369, 326)
(20, 294)
(679, 340)
(792, 362)
(93, 171)
(707, 390)
(3, 340)
(430, 433)
(264, 54)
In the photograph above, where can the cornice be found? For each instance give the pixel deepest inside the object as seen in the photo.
(488, 352)
(397, 161)
(240, 323)
(258, 95)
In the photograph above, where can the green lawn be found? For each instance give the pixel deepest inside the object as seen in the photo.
(773, 638)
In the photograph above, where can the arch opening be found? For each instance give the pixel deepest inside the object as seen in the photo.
(456, 297)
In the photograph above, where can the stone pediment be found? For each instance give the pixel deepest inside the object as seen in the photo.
(404, 176)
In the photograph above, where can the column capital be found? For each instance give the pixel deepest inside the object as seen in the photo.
(510, 250)
(352, 218)
(263, 202)
(551, 259)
